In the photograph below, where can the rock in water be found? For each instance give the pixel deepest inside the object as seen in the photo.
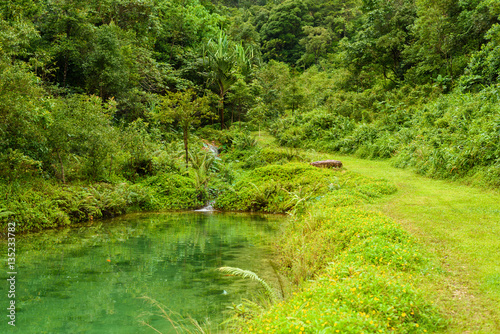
(327, 164)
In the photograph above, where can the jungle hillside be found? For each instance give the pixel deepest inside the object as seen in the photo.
(116, 106)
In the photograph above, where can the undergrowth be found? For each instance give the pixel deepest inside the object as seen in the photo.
(44, 204)
(450, 136)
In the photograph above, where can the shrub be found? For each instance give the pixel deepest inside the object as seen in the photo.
(275, 155)
(47, 205)
(173, 191)
(281, 188)
(455, 136)
(275, 188)
(351, 298)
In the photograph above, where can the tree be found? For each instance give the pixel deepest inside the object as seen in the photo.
(317, 42)
(446, 33)
(294, 96)
(273, 78)
(282, 32)
(222, 58)
(338, 16)
(22, 110)
(16, 37)
(110, 66)
(259, 113)
(382, 37)
(241, 97)
(186, 110)
(484, 65)
(80, 128)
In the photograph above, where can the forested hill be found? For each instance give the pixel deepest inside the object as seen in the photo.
(119, 91)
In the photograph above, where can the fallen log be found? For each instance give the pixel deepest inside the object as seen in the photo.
(327, 164)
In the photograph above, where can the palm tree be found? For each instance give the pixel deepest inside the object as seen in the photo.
(224, 58)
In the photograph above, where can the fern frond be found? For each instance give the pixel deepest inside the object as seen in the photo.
(253, 276)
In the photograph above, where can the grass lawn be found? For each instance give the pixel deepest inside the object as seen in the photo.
(459, 225)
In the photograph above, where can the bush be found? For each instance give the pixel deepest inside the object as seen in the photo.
(281, 188)
(455, 136)
(278, 155)
(336, 229)
(451, 136)
(48, 205)
(351, 298)
(173, 191)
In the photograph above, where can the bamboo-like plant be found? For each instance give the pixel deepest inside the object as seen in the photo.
(201, 171)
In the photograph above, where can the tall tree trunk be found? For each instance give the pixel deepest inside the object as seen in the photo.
(186, 147)
(221, 105)
(221, 108)
(65, 71)
(239, 117)
(62, 167)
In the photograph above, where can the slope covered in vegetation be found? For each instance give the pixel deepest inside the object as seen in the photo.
(119, 105)
(352, 270)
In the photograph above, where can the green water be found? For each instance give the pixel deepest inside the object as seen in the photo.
(90, 279)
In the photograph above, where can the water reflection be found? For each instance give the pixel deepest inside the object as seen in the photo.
(90, 279)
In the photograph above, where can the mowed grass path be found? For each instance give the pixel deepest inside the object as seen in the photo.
(460, 225)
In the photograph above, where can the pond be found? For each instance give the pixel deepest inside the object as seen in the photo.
(91, 279)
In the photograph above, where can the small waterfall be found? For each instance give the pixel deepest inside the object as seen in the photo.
(215, 152)
(211, 148)
(207, 208)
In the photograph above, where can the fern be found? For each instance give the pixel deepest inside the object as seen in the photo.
(253, 276)
(4, 213)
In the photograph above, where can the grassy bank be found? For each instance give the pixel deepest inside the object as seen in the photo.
(159, 180)
(356, 270)
(458, 227)
(42, 204)
(352, 245)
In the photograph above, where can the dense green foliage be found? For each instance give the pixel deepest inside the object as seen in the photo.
(454, 136)
(45, 205)
(83, 84)
(118, 105)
